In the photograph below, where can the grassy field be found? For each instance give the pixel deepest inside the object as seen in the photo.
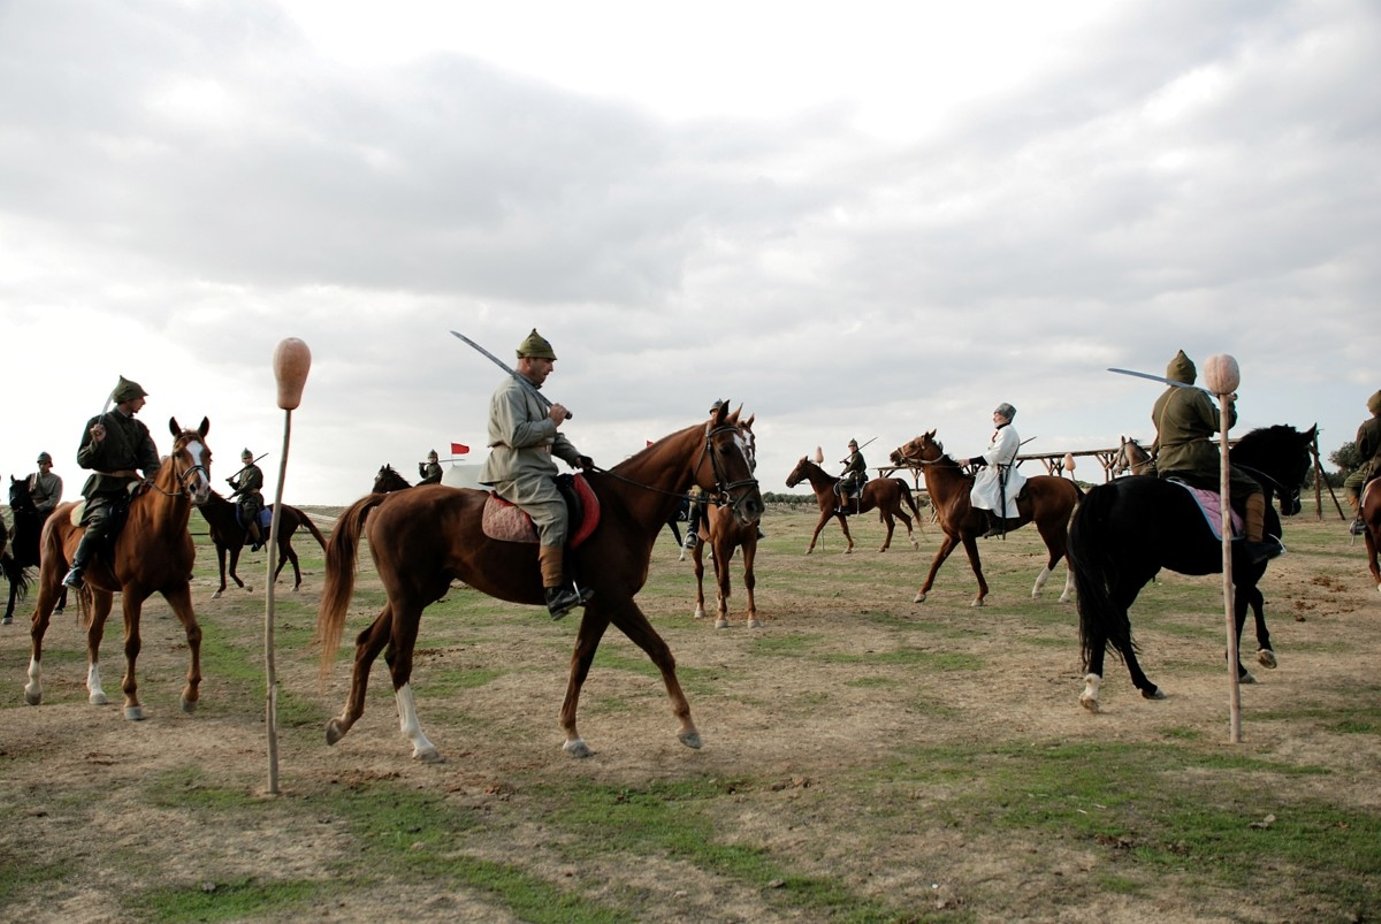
(865, 759)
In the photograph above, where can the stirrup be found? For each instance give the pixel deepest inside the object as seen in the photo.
(1358, 527)
(560, 600)
(73, 579)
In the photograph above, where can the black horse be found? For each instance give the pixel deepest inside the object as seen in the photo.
(1128, 529)
(23, 551)
(228, 535)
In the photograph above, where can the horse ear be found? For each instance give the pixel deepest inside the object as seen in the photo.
(173, 427)
(205, 427)
(749, 422)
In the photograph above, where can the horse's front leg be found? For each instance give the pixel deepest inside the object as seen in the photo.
(634, 624)
(946, 546)
(180, 599)
(132, 604)
(101, 603)
(220, 564)
(592, 626)
(750, 551)
(698, 558)
(368, 644)
(825, 516)
(722, 554)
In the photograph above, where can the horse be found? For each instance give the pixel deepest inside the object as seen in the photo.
(229, 536)
(1045, 500)
(1370, 506)
(153, 552)
(23, 552)
(886, 494)
(388, 480)
(1132, 457)
(1128, 529)
(13, 571)
(424, 538)
(724, 533)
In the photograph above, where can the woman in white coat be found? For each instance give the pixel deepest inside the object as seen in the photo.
(997, 483)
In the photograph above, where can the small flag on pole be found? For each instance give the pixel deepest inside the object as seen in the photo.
(459, 449)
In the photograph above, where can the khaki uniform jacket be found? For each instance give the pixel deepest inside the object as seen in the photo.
(46, 491)
(1186, 419)
(430, 472)
(127, 445)
(249, 485)
(522, 438)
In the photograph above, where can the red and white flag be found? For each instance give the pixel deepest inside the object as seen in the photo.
(459, 449)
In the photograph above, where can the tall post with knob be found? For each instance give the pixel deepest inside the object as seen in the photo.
(1222, 377)
(292, 360)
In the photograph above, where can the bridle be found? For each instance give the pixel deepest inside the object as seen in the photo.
(901, 454)
(182, 476)
(723, 488)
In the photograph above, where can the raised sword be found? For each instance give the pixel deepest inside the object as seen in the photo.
(532, 389)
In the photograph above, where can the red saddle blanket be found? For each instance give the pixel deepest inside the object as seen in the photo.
(1211, 504)
(509, 523)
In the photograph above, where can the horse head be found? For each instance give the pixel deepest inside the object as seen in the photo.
(388, 480)
(191, 461)
(1280, 458)
(20, 497)
(923, 450)
(799, 473)
(731, 464)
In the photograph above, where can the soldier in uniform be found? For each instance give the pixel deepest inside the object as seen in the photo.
(998, 482)
(1186, 420)
(1369, 451)
(45, 488)
(430, 471)
(853, 477)
(523, 438)
(248, 483)
(117, 448)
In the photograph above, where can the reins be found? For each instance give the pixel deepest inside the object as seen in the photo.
(722, 489)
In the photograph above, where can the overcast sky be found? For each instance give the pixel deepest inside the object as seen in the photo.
(858, 220)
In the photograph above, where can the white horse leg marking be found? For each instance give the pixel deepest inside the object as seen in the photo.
(1040, 581)
(1089, 698)
(95, 693)
(1068, 593)
(33, 690)
(422, 749)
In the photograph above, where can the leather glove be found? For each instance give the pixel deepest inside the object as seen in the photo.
(978, 461)
(585, 463)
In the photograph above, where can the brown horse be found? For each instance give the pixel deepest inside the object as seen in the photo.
(424, 538)
(1047, 500)
(1132, 457)
(229, 537)
(723, 533)
(884, 494)
(152, 553)
(1370, 505)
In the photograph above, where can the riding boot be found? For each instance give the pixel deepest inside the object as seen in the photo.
(80, 559)
(1255, 543)
(256, 536)
(1358, 526)
(560, 597)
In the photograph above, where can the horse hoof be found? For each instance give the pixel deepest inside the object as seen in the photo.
(334, 731)
(1266, 657)
(189, 706)
(691, 739)
(429, 756)
(755, 623)
(33, 698)
(97, 699)
(249, 589)
(7, 620)
(216, 595)
(699, 613)
(977, 602)
(1153, 693)
(919, 598)
(576, 747)
(134, 713)
(1089, 702)
(1246, 677)
(721, 623)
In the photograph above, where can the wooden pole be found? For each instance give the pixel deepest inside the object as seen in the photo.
(1223, 379)
(1319, 477)
(291, 362)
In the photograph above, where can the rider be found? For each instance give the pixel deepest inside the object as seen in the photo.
(998, 482)
(248, 483)
(1369, 454)
(523, 437)
(852, 478)
(45, 488)
(113, 446)
(430, 470)
(697, 504)
(1186, 420)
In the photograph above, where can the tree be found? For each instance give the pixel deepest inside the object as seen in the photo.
(1346, 457)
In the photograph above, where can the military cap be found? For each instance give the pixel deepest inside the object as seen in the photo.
(127, 390)
(432, 456)
(1006, 410)
(1374, 403)
(44, 457)
(1181, 369)
(853, 443)
(536, 346)
(246, 454)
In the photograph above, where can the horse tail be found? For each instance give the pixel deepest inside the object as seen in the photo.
(16, 573)
(341, 551)
(910, 501)
(311, 527)
(1094, 566)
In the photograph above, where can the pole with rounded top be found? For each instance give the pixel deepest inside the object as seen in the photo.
(1222, 377)
(292, 360)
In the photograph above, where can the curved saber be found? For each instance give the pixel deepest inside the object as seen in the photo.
(532, 389)
(1154, 378)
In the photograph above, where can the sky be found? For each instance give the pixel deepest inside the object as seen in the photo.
(859, 220)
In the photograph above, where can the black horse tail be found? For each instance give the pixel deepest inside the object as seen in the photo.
(16, 574)
(1095, 570)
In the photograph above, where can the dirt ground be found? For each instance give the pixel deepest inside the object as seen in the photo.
(847, 680)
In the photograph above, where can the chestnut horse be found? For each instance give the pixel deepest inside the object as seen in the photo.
(424, 538)
(152, 553)
(1370, 506)
(1045, 500)
(229, 537)
(886, 494)
(1132, 457)
(723, 533)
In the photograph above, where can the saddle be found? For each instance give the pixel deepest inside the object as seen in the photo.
(1211, 506)
(508, 522)
(265, 519)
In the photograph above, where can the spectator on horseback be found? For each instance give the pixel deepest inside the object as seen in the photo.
(430, 471)
(852, 478)
(45, 488)
(523, 437)
(997, 481)
(1369, 451)
(117, 448)
(248, 483)
(1186, 421)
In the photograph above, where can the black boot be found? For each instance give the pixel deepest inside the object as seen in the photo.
(561, 600)
(1257, 552)
(73, 578)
